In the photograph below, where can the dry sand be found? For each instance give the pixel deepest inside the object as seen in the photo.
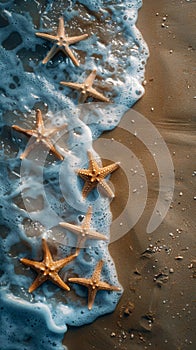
(157, 309)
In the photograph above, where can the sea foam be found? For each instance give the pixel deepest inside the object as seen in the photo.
(39, 192)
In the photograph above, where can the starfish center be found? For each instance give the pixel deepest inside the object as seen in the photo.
(94, 178)
(48, 269)
(84, 232)
(95, 173)
(61, 41)
(39, 136)
(94, 284)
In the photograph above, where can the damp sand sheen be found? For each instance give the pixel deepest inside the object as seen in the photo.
(69, 71)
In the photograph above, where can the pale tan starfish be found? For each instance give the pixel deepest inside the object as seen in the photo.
(48, 269)
(95, 175)
(94, 284)
(86, 88)
(40, 134)
(83, 231)
(61, 42)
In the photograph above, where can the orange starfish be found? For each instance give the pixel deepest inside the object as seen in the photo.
(95, 175)
(48, 269)
(94, 284)
(83, 231)
(40, 134)
(86, 88)
(61, 43)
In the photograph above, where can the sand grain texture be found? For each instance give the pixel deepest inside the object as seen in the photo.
(157, 309)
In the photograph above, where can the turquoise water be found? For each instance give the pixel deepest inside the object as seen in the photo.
(41, 191)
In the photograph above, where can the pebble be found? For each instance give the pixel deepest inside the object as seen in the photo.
(129, 309)
(123, 335)
(179, 230)
(179, 257)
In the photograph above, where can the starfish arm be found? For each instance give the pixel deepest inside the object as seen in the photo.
(27, 150)
(38, 281)
(87, 220)
(52, 131)
(90, 79)
(56, 153)
(109, 169)
(55, 278)
(84, 174)
(94, 93)
(46, 36)
(59, 264)
(86, 282)
(39, 121)
(52, 148)
(76, 86)
(91, 297)
(88, 187)
(61, 28)
(73, 228)
(47, 255)
(107, 286)
(61, 127)
(24, 131)
(83, 97)
(75, 39)
(96, 235)
(97, 271)
(67, 51)
(93, 166)
(36, 265)
(106, 188)
(50, 54)
(80, 242)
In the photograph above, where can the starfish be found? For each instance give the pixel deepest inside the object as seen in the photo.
(40, 134)
(95, 175)
(94, 284)
(86, 88)
(48, 269)
(83, 231)
(61, 42)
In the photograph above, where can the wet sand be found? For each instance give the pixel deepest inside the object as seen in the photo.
(157, 309)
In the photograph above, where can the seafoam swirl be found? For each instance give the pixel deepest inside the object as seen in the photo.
(115, 151)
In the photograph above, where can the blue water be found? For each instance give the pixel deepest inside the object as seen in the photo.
(40, 191)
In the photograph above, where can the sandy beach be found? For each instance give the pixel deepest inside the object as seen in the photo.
(157, 309)
(156, 268)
